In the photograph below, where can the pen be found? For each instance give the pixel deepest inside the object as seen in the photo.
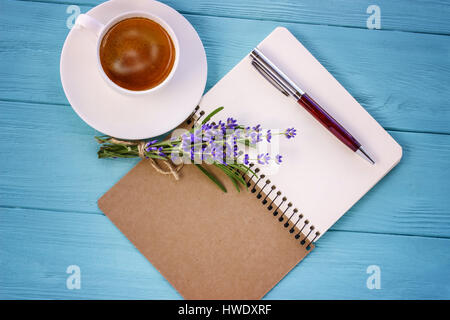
(286, 86)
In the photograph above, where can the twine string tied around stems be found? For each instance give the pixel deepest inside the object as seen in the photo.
(170, 167)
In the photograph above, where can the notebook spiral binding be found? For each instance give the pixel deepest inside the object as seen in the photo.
(263, 188)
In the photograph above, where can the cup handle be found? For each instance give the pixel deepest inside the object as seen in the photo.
(87, 22)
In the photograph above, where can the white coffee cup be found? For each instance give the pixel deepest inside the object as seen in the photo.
(99, 30)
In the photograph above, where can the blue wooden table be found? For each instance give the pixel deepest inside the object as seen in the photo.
(50, 177)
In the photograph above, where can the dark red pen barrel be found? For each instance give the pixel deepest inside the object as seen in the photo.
(328, 122)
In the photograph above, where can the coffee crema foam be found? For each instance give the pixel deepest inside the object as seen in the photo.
(137, 54)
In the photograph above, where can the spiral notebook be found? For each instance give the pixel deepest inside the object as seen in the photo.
(214, 245)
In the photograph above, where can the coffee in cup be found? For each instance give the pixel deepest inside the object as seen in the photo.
(136, 52)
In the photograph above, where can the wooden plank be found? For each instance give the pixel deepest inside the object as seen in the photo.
(405, 15)
(49, 161)
(399, 77)
(38, 246)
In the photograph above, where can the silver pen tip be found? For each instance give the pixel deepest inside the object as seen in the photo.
(364, 155)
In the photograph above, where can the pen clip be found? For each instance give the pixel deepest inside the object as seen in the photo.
(269, 77)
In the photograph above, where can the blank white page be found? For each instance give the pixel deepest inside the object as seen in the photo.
(321, 176)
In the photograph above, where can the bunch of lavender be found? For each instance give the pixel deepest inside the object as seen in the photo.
(206, 143)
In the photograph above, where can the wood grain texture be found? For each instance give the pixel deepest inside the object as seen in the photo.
(405, 15)
(41, 245)
(387, 72)
(50, 177)
(59, 169)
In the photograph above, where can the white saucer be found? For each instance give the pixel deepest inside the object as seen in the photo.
(141, 116)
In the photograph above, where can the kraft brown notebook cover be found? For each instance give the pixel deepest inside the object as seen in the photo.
(208, 244)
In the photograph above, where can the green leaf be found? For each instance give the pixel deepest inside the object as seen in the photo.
(212, 114)
(100, 139)
(165, 143)
(236, 184)
(210, 176)
(230, 175)
(243, 169)
(235, 176)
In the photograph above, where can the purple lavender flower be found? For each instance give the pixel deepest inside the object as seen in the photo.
(206, 152)
(247, 132)
(206, 126)
(290, 133)
(255, 137)
(246, 159)
(278, 159)
(209, 135)
(266, 158)
(235, 150)
(227, 150)
(213, 144)
(148, 147)
(268, 136)
(160, 153)
(185, 138)
(186, 145)
(237, 134)
(173, 140)
(221, 126)
(216, 134)
(219, 142)
(231, 123)
(260, 158)
(150, 143)
(196, 136)
(217, 154)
